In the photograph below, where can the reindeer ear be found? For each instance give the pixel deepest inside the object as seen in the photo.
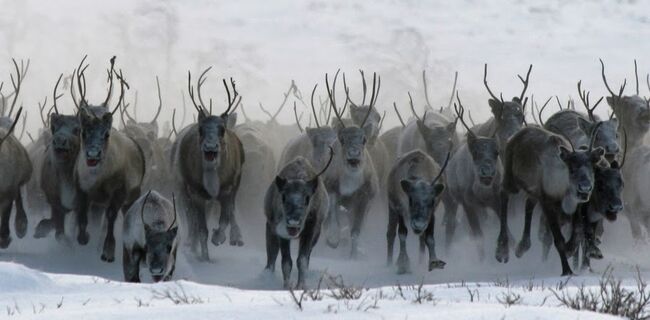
(54, 118)
(367, 130)
(564, 153)
(438, 188)
(280, 182)
(202, 116)
(107, 118)
(407, 186)
(585, 126)
(597, 154)
(496, 106)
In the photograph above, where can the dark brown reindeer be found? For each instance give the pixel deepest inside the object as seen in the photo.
(110, 166)
(207, 161)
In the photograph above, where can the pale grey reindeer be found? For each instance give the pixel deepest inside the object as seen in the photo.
(150, 237)
(390, 137)
(355, 182)
(57, 170)
(295, 205)
(633, 114)
(473, 178)
(110, 167)
(546, 167)
(207, 162)
(371, 126)
(6, 116)
(37, 150)
(415, 184)
(16, 171)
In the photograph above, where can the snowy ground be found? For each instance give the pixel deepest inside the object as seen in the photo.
(265, 44)
(29, 294)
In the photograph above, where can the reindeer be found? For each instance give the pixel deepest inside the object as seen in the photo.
(633, 113)
(295, 205)
(414, 189)
(474, 177)
(6, 120)
(150, 236)
(355, 183)
(57, 170)
(540, 163)
(390, 138)
(207, 161)
(110, 167)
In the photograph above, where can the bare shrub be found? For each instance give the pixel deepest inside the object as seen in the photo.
(176, 295)
(509, 298)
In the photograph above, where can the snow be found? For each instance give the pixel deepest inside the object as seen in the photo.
(85, 297)
(265, 44)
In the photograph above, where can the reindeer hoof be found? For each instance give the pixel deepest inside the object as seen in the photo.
(594, 253)
(236, 238)
(218, 237)
(567, 273)
(43, 228)
(61, 238)
(502, 254)
(4, 242)
(21, 226)
(403, 265)
(83, 237)
(436, 264)
(522, 248)
(108, 257)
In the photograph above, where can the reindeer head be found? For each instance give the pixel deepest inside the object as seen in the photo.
(422, 195)
(321, 139)
(363, 115)
(161, 245)
(65, 136)
(606, 198)
(607, 134)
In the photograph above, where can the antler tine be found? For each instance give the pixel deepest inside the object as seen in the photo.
(559, 103)
(625, 150)
(55, 96)
(234, 102)
(453, 92)
(190, 91)
(331, 93)
(375, 92)
(399, 116)
(415, 114)
(636, 76)
(347, 93)
(123, 84)
(460, 112)
(525, 82)
(174, 131)
(159, 102)
(110, 81)
(486, 85)
(144, 202)
(22, 131)
(328, 163)
(265, 111)
(539, 112)
(16, 83)
(175, 212)
(426, 89)
(381, 121)
(444, 166)
(199, 84)
(364, 86)
(584, 96)
(13, 126)
(295, 113)
(81, 81)
(313, 108)
(620, 93)
(593, 135)
(41, 108)
(293, 88)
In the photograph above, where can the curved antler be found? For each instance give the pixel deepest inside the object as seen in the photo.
(295, 113)
(144, 202)
(328, 163)
(485, 68)
(620, 92)
(159, 102)
(444, 166)
(175, 213)
(13, 126)
(399, 116)
(593, 135)
(313, 107)
(460, 111)
(331, 93)
(584, 97)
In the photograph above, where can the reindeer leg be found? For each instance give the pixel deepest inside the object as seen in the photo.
(475, 227)
(524, 243)
(502, 251)
(272, 248)
(202, 229)
(131, 263)
(332, 222)
(58, 219)
(304, 252)
(287, 264)
(358, 215)
(108, 254)
(5, 211)
(558, 239)
(577, 232)
(434, 262)
(391, 232)
(403, 261)
(449, 220)
(228, 207)
(82, 218)
(20, 222)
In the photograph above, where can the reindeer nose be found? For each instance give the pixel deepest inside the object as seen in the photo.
(156, 270)
(418, 225)
(616, 207)
(93, 154)
(585, 188)
(58, 141)
(486, 171)
(293, 222)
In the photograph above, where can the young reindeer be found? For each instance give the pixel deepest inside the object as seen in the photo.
(150, 237)
(414, 188)
(57, 170)
(474, 177)
(540, 163)
(16, 171)
(295, 205)
(110, 166)
(355, 183)
(207, 160)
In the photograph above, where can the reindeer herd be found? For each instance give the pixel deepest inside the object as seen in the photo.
(323, 178)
